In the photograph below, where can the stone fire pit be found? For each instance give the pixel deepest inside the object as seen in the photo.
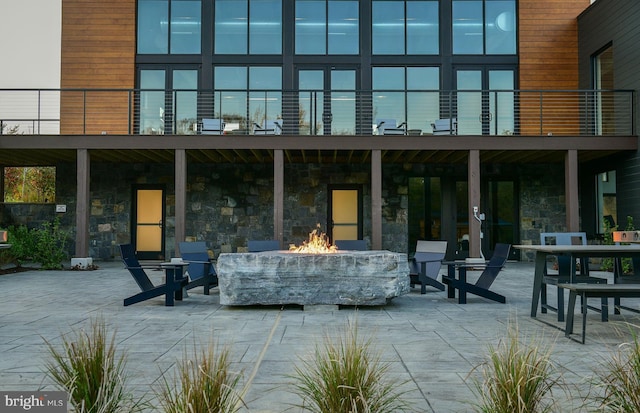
(281, 277)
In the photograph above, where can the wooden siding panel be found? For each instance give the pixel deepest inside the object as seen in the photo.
(548, 41)
(98, 52)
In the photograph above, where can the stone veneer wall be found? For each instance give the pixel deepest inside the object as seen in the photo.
(230, 204)
(542, 203)
(395, 207)
(110, 203)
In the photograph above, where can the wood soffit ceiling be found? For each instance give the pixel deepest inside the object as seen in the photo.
(32, 150)
(43, 157)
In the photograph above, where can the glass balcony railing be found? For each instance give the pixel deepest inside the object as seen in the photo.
(318, 112)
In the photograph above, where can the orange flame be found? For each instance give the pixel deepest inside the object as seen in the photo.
(318, 243)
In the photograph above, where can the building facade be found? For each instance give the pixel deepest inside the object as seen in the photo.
(608, 59)
(329, 113)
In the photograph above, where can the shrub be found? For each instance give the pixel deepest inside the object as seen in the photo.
(620, 380)
(21, 240)
(91, 372)
(204, 384)
(49, 245)
(346, 376)
(516, 378)
(45, 246)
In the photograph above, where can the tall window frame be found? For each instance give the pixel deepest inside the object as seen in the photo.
(247, 95)
(409, 94)
(409, 27)
(247, 27)
(327, 27)
(169, 27)
(484, 27)
(603, 81)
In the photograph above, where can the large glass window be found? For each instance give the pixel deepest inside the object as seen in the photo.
(168, 101)
(485, 101)
(231, 26)
(153, 26)
(152, 102)
(604, 116)
(265, 96)
(29, 184)
(500, 26)
(265, 27)
(342, 35)
(185, 26)
(185, 101)
(327, 27)
(248, 26)
(467, 27)
(422, 27)
(169, 26)
(406, 95)
(404, 27)
(484, 26)
(247, 95)
(606, 202)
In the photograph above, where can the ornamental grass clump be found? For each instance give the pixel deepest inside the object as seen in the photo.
(205, 383)
(345, 375)
(517, 378)
(89, 369)
(619, 378)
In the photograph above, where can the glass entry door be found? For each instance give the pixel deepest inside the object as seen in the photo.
(502, 218)
(345, 212)
(148, 213)
(485, 101)
(438, 210)
(327, 101)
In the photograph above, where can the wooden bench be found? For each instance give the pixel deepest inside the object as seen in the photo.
(594, 290)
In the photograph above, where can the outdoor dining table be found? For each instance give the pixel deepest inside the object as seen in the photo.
(582, 252)
(460, 267)
(174, 271)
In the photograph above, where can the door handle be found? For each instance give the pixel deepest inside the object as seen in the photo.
(488, 117)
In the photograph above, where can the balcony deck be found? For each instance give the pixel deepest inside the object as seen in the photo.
(121, 126)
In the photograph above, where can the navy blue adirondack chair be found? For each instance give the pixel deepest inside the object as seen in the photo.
(201, 269)
(351, 244)
(425, 265)
(171, 290)
(263, 245)
(482, 286)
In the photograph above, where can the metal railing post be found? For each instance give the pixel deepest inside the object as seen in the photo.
(541, 111)
(84, 112)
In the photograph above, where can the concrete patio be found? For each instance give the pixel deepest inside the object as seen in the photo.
(432, 343)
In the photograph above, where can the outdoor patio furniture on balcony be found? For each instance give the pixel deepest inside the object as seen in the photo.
(445, 126)
(268, 127)
(389, 127)
(212, 127)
